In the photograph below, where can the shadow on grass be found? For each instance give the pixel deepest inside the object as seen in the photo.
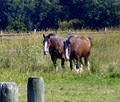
(114, 75)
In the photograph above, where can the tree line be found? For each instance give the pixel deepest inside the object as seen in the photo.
(26, 15)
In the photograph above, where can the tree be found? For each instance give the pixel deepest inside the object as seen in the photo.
(43, 14)
(3, 17)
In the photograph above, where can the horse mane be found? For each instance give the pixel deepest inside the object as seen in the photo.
(51, 34)
(71, 37)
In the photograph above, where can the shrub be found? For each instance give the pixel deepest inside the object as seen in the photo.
(16, 26)
(72, 24)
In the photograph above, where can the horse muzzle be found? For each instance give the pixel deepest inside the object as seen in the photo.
(67, 59)
(45, 53)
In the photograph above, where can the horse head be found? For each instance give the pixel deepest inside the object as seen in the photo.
(46, 43)
(67, 49)
(68, 46)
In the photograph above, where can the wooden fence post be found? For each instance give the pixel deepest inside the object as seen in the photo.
(35, 89)
(8, 92)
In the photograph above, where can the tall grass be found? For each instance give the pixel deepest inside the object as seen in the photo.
(22, 57)
(25, 53)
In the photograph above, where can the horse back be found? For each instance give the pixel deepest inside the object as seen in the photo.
(86, 40)
(81, 46)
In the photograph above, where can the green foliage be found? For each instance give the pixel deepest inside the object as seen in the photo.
(72, 24)
(43, 14)
(63, 25)
(17, 26)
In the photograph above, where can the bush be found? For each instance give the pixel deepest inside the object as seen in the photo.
(16, 26)
(72, 24)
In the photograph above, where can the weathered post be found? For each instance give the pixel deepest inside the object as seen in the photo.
(8, 92)
(35, 89)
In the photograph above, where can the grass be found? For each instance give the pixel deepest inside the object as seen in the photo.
(88, 93)
(22, 57)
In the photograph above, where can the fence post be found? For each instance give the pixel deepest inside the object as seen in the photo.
(8, 92)
(35, 89)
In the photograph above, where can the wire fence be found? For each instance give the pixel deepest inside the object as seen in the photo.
(8, 36)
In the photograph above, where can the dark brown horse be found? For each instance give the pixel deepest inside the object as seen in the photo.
(54, 44)
(77, 48)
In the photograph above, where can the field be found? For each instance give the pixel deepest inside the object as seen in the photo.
(22, 57)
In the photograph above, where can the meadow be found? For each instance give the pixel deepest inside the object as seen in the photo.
(22, 57)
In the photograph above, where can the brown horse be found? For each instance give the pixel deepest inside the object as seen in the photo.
(76, 48)
(54, 44)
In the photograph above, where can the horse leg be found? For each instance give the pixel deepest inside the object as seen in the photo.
(54, 59)
(81, 66)
(55, 65)
(62, 63)
(71, 65)
(77, 66)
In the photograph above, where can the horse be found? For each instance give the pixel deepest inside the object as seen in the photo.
(76, 48)
(54, 44)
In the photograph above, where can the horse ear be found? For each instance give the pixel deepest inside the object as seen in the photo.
(43, 36)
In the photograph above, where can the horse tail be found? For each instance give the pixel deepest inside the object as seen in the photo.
(90, 38)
